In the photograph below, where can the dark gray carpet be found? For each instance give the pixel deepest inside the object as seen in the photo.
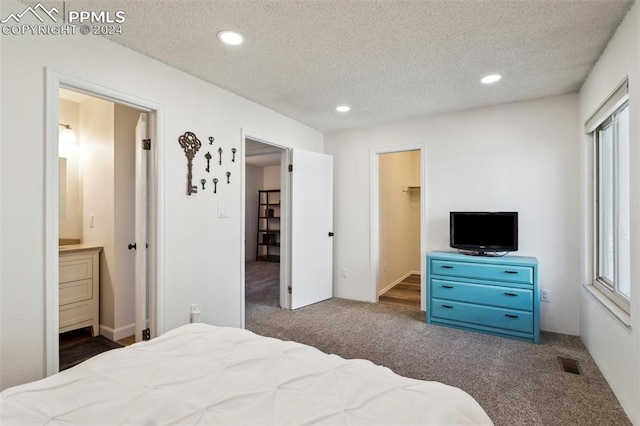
(262, 283)
(517, 383)
(74, 355)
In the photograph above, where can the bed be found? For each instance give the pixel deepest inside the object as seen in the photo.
(201, 374)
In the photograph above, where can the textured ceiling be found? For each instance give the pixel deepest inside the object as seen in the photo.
(389, 60)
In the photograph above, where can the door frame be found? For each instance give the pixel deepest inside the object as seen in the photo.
(375, 218)
(285, 221)
(55, 80)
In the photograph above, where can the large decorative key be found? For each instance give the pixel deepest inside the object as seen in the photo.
(220, 154)
(190, 144)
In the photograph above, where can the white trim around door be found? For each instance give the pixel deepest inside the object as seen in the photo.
(53, 82)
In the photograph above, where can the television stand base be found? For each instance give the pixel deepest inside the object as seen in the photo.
(484, 253)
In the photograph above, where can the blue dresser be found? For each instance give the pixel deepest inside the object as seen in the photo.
(493, 295)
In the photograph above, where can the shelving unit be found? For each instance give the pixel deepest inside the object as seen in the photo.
(268, 225)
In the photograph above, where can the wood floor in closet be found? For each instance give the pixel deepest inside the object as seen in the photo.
(405, 293)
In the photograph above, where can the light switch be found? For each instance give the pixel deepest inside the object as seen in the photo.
(90, 221)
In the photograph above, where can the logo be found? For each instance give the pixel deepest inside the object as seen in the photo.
(102, 22)
(33, 11)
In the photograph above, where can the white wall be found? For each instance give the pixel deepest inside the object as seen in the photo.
(271, 177)
(202, 253)
(519, 156)
(399, 217)
(614, 347)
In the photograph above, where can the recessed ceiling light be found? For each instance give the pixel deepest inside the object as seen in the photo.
(492, 78)
(343, 108)
(231, 38)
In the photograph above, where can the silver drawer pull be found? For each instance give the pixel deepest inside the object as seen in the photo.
(510, 316)
(509, 294)
(447, 306)
(447, 286)
(510, 272)
(446, 267)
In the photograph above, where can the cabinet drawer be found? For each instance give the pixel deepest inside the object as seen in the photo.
(488, 316)
(505, 297)
(506, 273)
(75, 269)
(75, 312)
(76, 291)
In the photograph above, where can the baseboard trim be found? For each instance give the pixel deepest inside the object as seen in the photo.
(119, 333)
(396, 282)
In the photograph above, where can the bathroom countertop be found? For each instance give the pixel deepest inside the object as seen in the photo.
(77, 248)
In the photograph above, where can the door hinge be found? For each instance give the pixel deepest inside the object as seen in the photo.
(289, 288)
(146, 144)
(290, 167)
(146, 334)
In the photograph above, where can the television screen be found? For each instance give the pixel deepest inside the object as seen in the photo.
(484, 231)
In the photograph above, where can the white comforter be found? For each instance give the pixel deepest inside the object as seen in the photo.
(200, 374)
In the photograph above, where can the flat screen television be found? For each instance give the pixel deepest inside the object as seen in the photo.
(483, 233)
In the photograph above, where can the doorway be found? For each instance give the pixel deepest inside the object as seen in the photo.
(398, 237)
(97, 225)
(88, 204)
(305, 222)
(304, 204)
(266, 280)
(265, 209)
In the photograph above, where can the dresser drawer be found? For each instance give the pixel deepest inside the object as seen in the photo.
(75, 312)
(76, 291)
(505, 319)
(75, 268)
(506, 273)
(505, 297)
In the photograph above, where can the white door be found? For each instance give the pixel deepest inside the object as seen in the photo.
(142, 158)
(311, 228)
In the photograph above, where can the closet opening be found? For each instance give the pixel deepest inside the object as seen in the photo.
(399, 208)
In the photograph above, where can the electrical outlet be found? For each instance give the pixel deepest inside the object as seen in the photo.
(344, 273)
(195, 313)
(545, 295)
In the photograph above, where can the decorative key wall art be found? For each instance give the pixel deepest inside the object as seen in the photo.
(190, 144)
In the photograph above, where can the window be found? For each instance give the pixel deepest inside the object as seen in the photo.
(611, 207)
